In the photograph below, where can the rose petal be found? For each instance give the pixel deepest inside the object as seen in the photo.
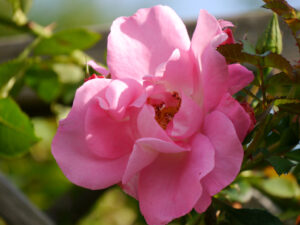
(203, 202)
(105, 136)
(119, 95)
(71, 151)
(239, 77)
(236, 113)
(187, 120)
(212, 65)
(225, 23)
(170, 186)
(138, 44)
(147, 125)
(207, 28)
(145, 152)
(100, 69)
(214, 74)
(228, 155)
(179, 72)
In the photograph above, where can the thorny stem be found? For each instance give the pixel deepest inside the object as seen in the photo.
(30, 26)
(246, 91)
(258, 158)
(257, 138)
(25, 53)
(262, 86)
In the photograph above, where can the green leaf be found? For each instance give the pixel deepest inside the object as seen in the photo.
(16, 130)
(280, 85)
(281, 7)
(271, 39)
(281, 165)
(64, 42)
(234, 53)
(280, 187)
(294, 155)
(44, 81)
(239, 191)
(248, 47)
(277, 61)
(252, 216)
(8, 70)
(68, 73)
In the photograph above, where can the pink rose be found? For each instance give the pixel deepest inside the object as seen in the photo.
(166, 125)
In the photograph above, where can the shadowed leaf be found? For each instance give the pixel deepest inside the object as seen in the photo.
(281, 165)
(234, 53)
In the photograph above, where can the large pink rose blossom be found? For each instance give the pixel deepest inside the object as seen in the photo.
(165, 125)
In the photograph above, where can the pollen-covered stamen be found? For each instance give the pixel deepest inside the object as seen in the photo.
(165, 111)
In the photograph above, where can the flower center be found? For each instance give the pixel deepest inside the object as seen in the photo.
(165, 110)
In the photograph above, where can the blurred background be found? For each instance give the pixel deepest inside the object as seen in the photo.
(37, 174)
(74, 13)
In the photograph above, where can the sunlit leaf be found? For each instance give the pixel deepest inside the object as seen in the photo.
(68, 73)
(239, 191)
(64, 42)
(248, 47)
(271, 39)
(16, 130)
(280, 187)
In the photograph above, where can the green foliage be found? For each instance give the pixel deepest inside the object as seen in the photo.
(44, 81)
(9, 70)
(280, 187)
(271, 39)
(294, 155)
(16, 130)
(281, 165)
(235, 53)
(66, 41)
(280, 85)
